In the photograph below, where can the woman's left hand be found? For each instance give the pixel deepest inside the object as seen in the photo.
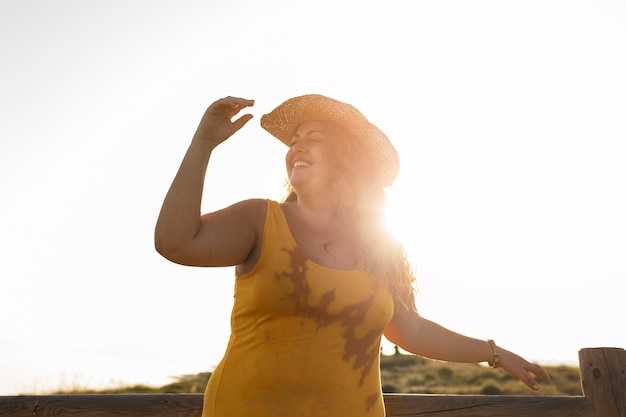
(520, 368)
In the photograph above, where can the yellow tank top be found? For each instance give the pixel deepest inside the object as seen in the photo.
(305, 339)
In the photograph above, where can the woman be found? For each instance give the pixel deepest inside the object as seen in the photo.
(318, 280)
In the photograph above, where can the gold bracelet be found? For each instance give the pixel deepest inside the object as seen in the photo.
(496, 354)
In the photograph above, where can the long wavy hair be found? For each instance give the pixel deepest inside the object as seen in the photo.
(361, 201)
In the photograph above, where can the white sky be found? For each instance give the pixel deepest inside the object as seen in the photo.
(508, 117)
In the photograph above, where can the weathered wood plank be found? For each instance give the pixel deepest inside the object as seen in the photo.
(603, 374)
(190, 405)
(122, 405)
(407, 405)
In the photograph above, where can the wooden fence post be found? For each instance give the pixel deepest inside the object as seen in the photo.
(603, 375)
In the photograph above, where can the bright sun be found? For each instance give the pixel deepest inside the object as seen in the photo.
(397, 216)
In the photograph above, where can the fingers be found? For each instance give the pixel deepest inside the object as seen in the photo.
(228, 106)
(540, 373)
(237, 104)
(217, 125)
(525, 371)
(233, 103)
(532, 371)
(239, 123)
(529, 380)
(240, 102)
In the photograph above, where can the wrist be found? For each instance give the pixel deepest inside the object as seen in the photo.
(495, 353)
(201, 144)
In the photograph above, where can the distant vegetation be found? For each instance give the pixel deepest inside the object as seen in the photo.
(408, 374)
(416, 375)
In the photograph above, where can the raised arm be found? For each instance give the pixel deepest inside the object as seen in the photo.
(225, 237)
(423, 337)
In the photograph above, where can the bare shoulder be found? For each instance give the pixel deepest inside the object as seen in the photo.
(252, 209)
(253, 212)
(245, 215)
(227, 236)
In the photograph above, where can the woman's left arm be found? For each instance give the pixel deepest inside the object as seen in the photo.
(420, 336)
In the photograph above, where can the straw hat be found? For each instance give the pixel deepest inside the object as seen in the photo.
(283, 121)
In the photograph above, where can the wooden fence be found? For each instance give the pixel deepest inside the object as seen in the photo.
(602, 370)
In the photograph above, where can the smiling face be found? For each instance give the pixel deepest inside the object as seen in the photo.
(326, 159)
(312, 158)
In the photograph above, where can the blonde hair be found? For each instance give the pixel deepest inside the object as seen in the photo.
(361, 199)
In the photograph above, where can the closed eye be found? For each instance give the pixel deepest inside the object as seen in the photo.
(315, 137)
(312, 136)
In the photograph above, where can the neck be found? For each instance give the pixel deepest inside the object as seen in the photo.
(322, 210)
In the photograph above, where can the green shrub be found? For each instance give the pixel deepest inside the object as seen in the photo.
(490, 389)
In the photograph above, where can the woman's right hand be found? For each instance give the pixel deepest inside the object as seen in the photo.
(216, 124)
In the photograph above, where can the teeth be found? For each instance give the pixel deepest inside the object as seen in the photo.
(300, 164)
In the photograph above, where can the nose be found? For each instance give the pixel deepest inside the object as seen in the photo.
(298, 147)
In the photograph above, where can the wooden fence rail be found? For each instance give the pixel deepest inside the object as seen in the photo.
(603, 377)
